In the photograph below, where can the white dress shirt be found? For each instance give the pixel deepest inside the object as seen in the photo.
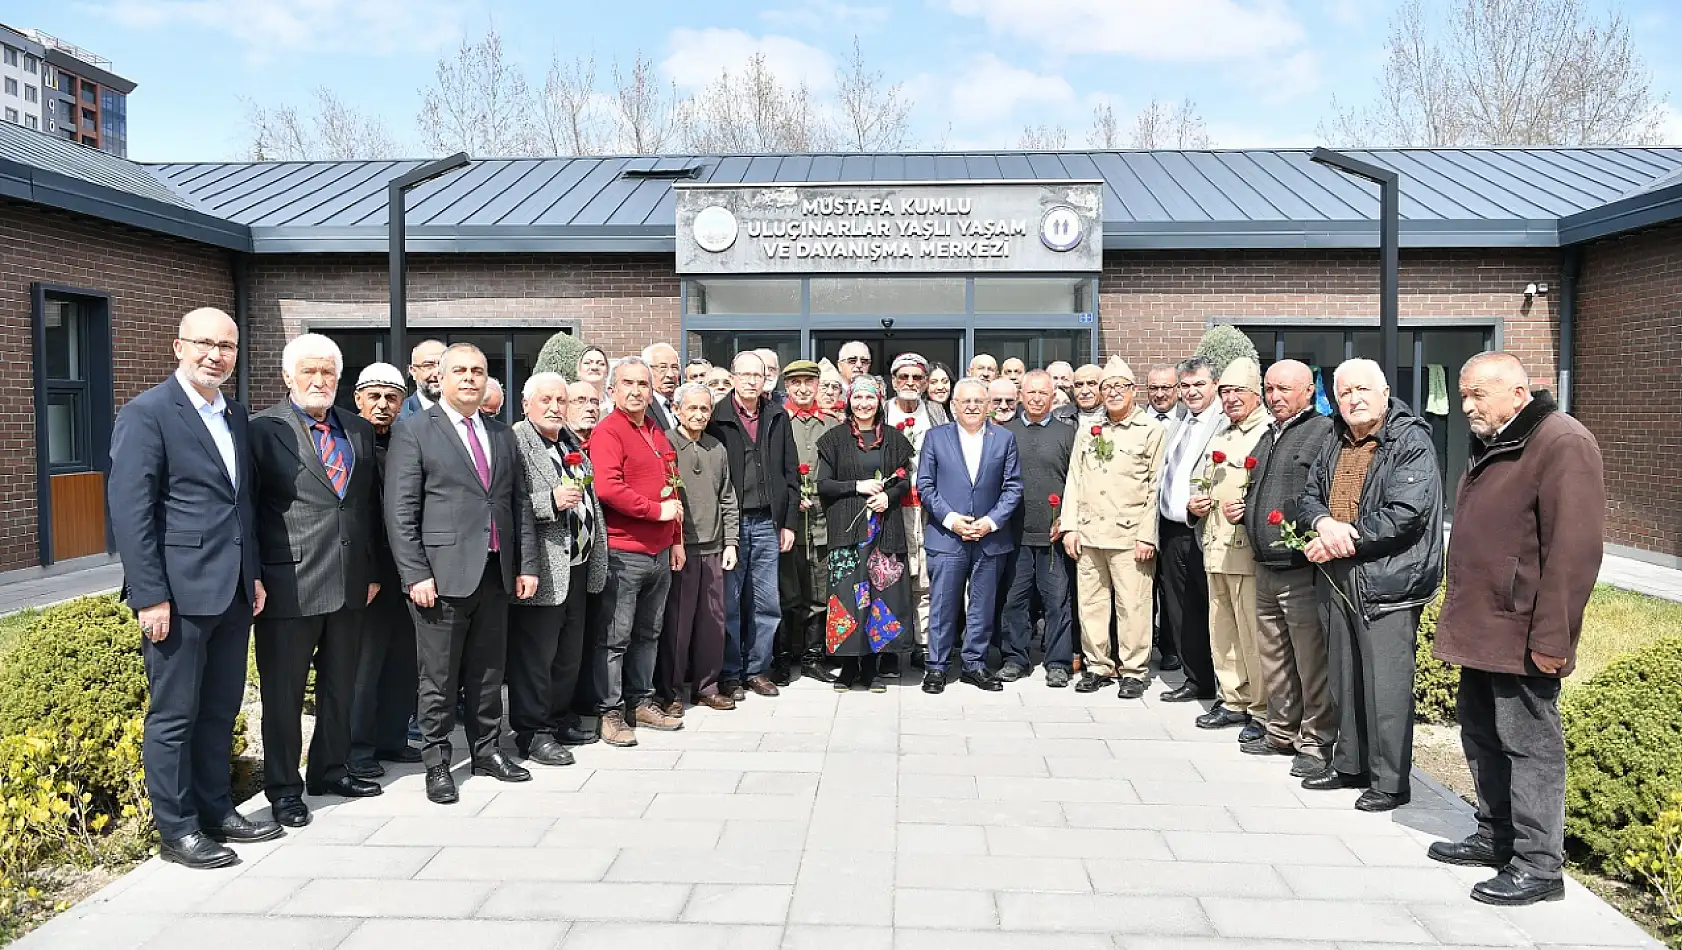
(971, 445)
(462, 433)
(214, 415)
(1194, 432)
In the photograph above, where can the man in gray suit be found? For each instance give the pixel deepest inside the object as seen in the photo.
(464, 538)
(317, 507)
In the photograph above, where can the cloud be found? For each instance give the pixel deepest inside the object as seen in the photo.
(1285, 80)
(268, 29)
(840, 14)
(995, 89)
(697, 57)
(1183, 30)
(1353, 14)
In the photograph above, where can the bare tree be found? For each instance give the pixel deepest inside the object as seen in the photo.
(874, 117)
(645, 110)
(570, 120)
(752, 111)
(1523, 73)
(1042, 138)
(478, 103)
(1106, 130)
(1179, 126)
(331, 131)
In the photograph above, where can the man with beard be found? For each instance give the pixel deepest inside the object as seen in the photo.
(802, 575)
(913, 416)
(1002, 400)
(423, 369)
(853, 359)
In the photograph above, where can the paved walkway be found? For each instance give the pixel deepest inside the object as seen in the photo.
(1032, 818)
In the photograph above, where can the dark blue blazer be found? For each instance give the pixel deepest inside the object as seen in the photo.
(411, 405)
(184, 534)
(944, 486)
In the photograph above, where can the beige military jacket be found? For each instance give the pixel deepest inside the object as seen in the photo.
(805, 433)
(1112, 504)
(1226, 546)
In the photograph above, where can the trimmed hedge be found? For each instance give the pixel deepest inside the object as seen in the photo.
(560, 355)
(1436, 684)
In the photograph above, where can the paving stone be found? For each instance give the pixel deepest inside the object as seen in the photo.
(1021, 765)
(251, 933)
(1102, 913)
(1577, 919)
(608, 782)
(958, 910)
(747, 833)
(613, 833)
(738, 739)
(967, 727)
(566, 805)
(840, 887)
(754, 761)
(342, 829)
(683, 805)
(1123, 875)
(820, 937)
(1258, 849)
(738, 904)
(1467, 922)
(351, 897)
(311, 861)
(702, 867)
(518, 864)
(1395, 884)
(1283, 919)
(942, 839)
(1155, 817)
(78, 929)
(778, 783)
(1210, 793)
(410, 802)
(1064, 748)
(501, 934)
(1158, 770)
(621, 936)
(992, 873)
(944, 939)
(545, 900)
(1168, 942)
(843, 823)
(251, 895)
(1007, 788)
(1312, 821)
(1032, 714)
(918, 785)
(442, 831)
(1141, 726)
(1077, 843)
(644, 756)
(958, 811)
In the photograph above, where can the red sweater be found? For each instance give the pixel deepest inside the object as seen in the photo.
(629, 478)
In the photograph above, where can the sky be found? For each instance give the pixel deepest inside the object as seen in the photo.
(1262, 72)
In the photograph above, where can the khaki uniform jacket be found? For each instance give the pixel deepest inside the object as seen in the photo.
(1112, 504)
(1226, 546)
(805, 434)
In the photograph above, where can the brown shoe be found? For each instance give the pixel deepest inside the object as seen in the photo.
(715, 701)
(616, 732)
(650, 715)
(673, 709)
(762, 686)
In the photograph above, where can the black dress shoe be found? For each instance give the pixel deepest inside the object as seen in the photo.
(1330, 778)
(1131, 688)
(497, 766)
(1374, 800)
(346, 786)
(1169, 662)
(934, 682)
(780, 673)
(1091, 682)
(1265, 746)
(1010, 672)
(546, 751)
(982, 680)
(440, 787)
(197, 852)
(242, 830)
(291, 811)
(1474, 852)
(408, 755)
(573, 733)
(1515, 888)
(1303, 765)
(1221, 717)
(1184, 693)
(813, 667)
(369, 769)
(1252, 731)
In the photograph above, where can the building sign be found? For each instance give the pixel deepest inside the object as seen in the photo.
(899, 227)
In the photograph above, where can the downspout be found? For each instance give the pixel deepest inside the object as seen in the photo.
(242, 319)
(1571, 267)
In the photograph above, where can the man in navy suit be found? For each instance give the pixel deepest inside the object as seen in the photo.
(423, 369)
(970, 481)
(184, 518)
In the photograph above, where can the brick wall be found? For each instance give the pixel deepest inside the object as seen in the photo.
(1629, 372)
(152, 281)
(1156, 304)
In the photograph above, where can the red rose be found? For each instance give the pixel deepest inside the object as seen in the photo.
(1250, 462)
(1276, 517)
(573, 458)
(1055, 500)
(910, 422)
(1097, 430)
(805, 469)
(900, 425)
(1218, 457)
(899, 473)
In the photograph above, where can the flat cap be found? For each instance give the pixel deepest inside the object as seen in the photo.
(800, 368)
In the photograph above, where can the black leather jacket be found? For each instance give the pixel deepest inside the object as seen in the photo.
(1399, 551)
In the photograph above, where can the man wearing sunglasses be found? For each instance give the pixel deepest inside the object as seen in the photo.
(854, 359)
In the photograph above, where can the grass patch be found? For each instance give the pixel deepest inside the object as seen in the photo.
(1619, 622)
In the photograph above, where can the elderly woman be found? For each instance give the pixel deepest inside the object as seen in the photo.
(862, 475)
(832, 389)
(546, 631)
(593, 366)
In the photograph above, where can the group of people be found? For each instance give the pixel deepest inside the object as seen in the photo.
(653, 536)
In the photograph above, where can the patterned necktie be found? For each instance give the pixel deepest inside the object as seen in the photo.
(483, 466)
(332, 456)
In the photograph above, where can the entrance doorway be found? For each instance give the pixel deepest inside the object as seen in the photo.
(936, 346)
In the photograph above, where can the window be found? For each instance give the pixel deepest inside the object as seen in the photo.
(1036, 348)
(1032, 295)
(90, 92)
(64, 357)
(31, 122)
(11, 115)
(11, 56)
(11, 86)
(91, 140)
(872, 295)
(719, 347)
(31, 94)
(66, 83)
(744, 296)
(31, 63)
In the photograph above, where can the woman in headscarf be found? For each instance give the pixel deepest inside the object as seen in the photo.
(862, 479)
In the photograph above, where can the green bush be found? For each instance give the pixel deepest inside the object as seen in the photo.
(1222, 344)
(1435, 684)
(560, 355)
(1623, 751)
(1656, 861)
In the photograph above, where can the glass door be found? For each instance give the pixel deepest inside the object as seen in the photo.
(936, 346)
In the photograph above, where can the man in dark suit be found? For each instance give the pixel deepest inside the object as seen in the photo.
(423, 369)
(464, 537)
(970, 482)
(317, 506)
(184, 519)
(668, 374)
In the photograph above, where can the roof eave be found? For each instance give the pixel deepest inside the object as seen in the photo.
(1626, 214)
(466, 240)
(1324, 235)
(53, 190)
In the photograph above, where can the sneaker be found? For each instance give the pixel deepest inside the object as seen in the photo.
(1056, 677)
(615, 731)
(1010, 672)
(651, 715)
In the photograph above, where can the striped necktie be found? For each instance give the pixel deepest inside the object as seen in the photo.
(332, 456)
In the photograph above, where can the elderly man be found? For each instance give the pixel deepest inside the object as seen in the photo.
(636, 471)
(1002, 400)
(1527, 548)
(384, 696)
(492, 406)
(1088, 404)
(765, 470)
(546, 631)
(1108, 528)
(983, 367)
(423, 369)
(803, 578)
(317, 507)
(462, 534)
(692, 643)
(584, 404)
(668, 373)
(1185, 585)
(1218, 507)
(181, 470)
(773, 377)
(1037, 569)
(1013, 369)
(1374, 502)
(1062, 377)
(1290, 644)
(695, 371)
(1162, 388)
(969, 479)
(853, 359)
(914, 417)
(718, 383)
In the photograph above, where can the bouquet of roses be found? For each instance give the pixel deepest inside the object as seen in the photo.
(1294, 539)
(1102, 449)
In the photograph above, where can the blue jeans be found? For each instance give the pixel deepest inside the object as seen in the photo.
(756, 567)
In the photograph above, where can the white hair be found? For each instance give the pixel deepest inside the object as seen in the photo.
(648, 351)
(970, 381)
(491, 383)
(750, 353)
(1359, 365)
(690, 389)
(619, 367)
(850, 344)
(311, 346)
(540, 380)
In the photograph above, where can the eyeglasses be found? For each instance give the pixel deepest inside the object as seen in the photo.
(1163, 389)
(861, 360)
(212, 346)
(1003, 401)
(1116, 388)
(428, 366)
(909, 378)
(1085, 383)
(748, 375)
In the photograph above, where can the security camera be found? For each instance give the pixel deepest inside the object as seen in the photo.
(1530, 290)
(887, 323)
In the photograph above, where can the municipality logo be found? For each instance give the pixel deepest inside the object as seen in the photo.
(1060, 229)
(715, 229)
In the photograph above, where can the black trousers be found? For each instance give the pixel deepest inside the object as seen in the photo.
(196, 679)
(286, 650)
(461, 644)
(1185, 602)
(803, 586)
(543, 656)
(385, 678)
(1037, 572)
(586, 700)
(1372, 666)
(1510, 730)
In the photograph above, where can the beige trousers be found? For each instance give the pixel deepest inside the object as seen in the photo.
(1107, 579)
(1232, 643)
(1292, 648)
(919, 569)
